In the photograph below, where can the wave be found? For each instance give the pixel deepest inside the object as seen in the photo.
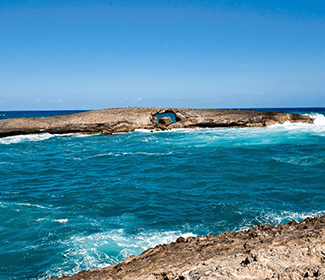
(116, 154)
(193, 130)
(302, 161)
(39, 137)
(319, 123)
(106, 248)
(26, 205)
(61, 221)
(5, 204)
(319, 119)
(25, 138)
(287, 216)
(277, 218)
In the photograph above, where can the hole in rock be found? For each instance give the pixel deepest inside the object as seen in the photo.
(167, 114)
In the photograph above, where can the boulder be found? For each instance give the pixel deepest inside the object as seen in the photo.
(165, 121)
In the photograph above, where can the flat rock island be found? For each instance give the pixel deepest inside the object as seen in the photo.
(109, 121)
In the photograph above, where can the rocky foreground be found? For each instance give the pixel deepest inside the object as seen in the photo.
(109, 121)
(289, 251)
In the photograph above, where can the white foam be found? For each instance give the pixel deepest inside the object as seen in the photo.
(317, 127)
(173, 130)
(122, 154)
(39, 137)
(145, 153)
(6, 204)
(40, 219)
(145, 130)
(278, 218)
(61, 221)
(319, 119)
(32, 205)
(103, 249)
(81, 135)
(25, 138)
(286, 216)
(3, 205)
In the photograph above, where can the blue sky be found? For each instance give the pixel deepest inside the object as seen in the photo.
(214, 54)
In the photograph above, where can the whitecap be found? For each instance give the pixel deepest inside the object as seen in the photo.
(319, 122)
(6, 204)
(31, 205)
(25, 138)
(40, 219)
(83, 135)
(61, 221)
(3, 205)
(39, 137)
(319, 119)
(106, 248)
(278, 218)
(286, 216)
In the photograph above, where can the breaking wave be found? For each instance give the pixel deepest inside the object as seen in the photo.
(103, 249)
(25, 138)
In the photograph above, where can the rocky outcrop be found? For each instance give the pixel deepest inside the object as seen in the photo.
(165, 121)
(289, 251)
(108, 121)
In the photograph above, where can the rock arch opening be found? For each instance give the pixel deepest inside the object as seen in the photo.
(168, 114)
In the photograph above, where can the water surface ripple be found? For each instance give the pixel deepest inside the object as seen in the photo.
(69, 203)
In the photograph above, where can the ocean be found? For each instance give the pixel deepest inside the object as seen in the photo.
(75, 202)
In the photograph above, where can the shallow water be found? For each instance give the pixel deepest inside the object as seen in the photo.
(69, 203)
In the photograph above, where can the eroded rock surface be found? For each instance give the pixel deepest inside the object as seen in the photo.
(108, 121)
(289, 251)
(165, 121)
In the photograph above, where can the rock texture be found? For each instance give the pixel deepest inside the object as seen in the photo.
(289, 251)
(165, 121)
(108, 121)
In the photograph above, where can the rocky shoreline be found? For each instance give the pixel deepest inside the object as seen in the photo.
(109, 121)
(287, 251)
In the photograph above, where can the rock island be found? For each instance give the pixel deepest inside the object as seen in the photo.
(109, 121)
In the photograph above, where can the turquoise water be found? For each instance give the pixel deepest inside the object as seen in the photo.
(69, 203)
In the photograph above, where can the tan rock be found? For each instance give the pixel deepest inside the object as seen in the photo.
(165, 121)
(108, 121)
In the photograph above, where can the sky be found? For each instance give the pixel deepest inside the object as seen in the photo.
(93, 54)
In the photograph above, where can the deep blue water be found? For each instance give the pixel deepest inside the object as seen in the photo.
(35, 114)
(69, 203)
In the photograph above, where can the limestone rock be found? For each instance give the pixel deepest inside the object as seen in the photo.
(108, 121)
(165, 121)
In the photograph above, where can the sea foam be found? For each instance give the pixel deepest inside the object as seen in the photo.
(105, 248)
(25, 138)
